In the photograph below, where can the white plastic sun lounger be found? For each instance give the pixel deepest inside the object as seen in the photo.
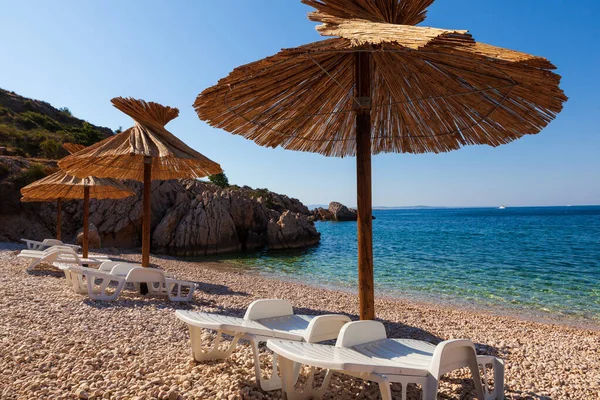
(37, 245)
(76, 279)
(101, 285)
(363, 350)
(264, 320)
(57, 254)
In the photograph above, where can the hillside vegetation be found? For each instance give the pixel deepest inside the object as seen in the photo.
(34, 128)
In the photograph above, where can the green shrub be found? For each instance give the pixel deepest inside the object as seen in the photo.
(266, 196)
(32, 119)
(33, 173)
(86, 135)
(65, 110)
(220, 180)
(51, 149)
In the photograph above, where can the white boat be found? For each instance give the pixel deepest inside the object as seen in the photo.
(502, 207)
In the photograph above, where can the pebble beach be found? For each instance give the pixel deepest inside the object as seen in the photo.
(55, 343)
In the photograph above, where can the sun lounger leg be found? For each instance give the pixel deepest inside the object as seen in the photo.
(75, 281)
(33, 264)
(385, 390)
(184, 290)
(215, 353)
(267, 384)
(274, 382)
(474, 368)
(98, 292)
(430, 388)
(497, 392)
(289, 376)
(498, 379)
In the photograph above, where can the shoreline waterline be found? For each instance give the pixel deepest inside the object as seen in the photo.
(541, 261)
(542, 317)
(145, 341)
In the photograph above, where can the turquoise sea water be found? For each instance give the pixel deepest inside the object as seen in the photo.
(540, 259)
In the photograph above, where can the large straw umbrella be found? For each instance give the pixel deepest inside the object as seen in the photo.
(145, 152)
(59, 186)
(383, 85)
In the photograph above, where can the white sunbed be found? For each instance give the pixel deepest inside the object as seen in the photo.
(363, 350)
(37, 245)
(107, 286)
(264, 320)
(77, 282)
(58, 254)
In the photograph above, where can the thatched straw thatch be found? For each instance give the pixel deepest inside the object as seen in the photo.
(59, 185)
(122, 156)
(432, 90)
(73, 148)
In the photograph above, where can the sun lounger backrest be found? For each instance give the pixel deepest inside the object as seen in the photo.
(450, 355)
(58, 248)
(122, 268)
(324, 327)
(359, 332)
(107, 266)
(268, 308)
(52, 242)
(141, 274)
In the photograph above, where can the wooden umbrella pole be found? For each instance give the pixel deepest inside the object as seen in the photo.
(58, 218)
(366, 293)
(146, 217)
(86, 219)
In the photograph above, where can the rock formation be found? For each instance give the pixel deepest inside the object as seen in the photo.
(189, 218)
(341, 213)
(94, 241)
(335, 212)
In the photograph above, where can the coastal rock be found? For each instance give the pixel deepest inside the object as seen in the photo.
(335, 212)
(322, 214)
(94, 241)
(341, 213)
(189, 217)
(291, 230)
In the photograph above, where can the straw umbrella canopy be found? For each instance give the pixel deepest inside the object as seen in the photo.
(380, 85)
(144, 152)
(59, 186)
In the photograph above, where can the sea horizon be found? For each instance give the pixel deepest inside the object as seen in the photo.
(313, 206)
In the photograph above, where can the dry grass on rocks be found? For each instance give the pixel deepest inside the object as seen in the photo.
(58, 344)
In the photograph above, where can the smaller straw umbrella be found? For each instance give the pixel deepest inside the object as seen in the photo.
(144, 152)
(60, 186)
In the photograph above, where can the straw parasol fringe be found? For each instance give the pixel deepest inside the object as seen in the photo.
(361, 32)
(73, 148)
(445, 95)
(122, 156)
(59, 185)
(390, 11)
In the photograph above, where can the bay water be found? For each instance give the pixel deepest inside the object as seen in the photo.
(540, 260)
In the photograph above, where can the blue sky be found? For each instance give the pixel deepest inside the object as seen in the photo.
(80, 54)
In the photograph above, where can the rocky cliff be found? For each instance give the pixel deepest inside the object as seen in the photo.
(189, 217)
